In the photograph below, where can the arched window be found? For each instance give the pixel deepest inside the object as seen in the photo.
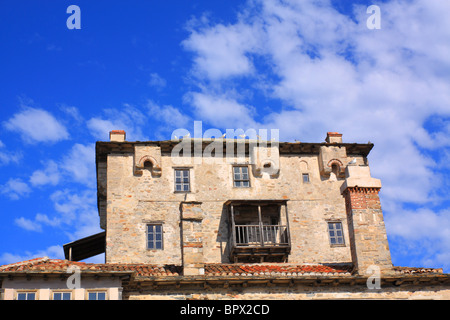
(148, 165)
(335, 169)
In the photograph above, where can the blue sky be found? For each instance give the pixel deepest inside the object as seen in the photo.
(150, 67)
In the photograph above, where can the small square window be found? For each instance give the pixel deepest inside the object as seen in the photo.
(26, 296)
(305, 177)
(61, 295)
(154, 236)
(335, 233)
(241, 177)
(182, 180)
(97, 295)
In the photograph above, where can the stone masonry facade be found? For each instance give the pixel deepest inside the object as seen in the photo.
(134, 200)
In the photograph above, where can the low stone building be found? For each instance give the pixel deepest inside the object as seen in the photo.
(232, 219)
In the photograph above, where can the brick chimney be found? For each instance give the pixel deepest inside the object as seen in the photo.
(117, 135)
(368, 239)
(333, 137)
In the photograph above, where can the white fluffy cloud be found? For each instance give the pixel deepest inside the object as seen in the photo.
(126, 118)
(169, 116)
(77, 209)
(37, 125)
(36, 224)
(15, 189)
(220, 50)
(221, 111)
(49, 175)
(55, 252)
(74, 211)
(157, 81)
(79, 164)
(7, 156)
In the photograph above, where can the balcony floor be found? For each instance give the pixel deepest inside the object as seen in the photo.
(258, 253)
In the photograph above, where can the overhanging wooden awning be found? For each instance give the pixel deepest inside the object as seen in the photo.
(86, 247)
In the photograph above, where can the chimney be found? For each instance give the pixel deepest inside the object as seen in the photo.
(368, 239)
(117, 136)
(334, 137)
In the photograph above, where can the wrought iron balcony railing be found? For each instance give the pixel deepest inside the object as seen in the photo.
(260, 235)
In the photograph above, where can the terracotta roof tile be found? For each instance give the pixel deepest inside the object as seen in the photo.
(56, 265)
(273, 269)
(409, 270)
(46, 265)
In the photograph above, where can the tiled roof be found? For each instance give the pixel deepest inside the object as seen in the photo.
(409, 270)
(273, 269)
(46, 265)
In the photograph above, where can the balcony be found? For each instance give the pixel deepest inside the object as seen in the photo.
(259, 230)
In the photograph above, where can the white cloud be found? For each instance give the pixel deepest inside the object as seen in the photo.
(100, 128)
(221, 111)
(79, 164)
(7, 156)
(425, 232)
(15, 189)
(28, 224)
(72, 112)
(157, 81)
(127, 118)
(37, 125)
(169, 116)
(75, 214)
(220, 51)
(77, 210)
(53, 252)
(49, 175)
(39, 221)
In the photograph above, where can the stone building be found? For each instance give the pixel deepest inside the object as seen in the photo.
(234, 219)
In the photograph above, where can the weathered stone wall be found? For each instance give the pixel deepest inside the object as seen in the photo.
(295, 293)
(135, 199)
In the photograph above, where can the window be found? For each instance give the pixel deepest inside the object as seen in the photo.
(241, 177)
(154, 236)
(148, 165)
(182, 180)
(97, 295)
(61, 295)
(335, 233)
(305, 177)
(26, 296)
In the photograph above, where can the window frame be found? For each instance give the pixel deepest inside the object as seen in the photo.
(182, 183)
(96, 291)
(241, 179)
(335, 231)
(62, 292)
(305, 174)
(27, 292)
(155, 233)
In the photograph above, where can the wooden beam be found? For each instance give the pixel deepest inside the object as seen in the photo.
(261, 233)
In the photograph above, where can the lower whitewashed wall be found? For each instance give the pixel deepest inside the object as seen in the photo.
(45, 288)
